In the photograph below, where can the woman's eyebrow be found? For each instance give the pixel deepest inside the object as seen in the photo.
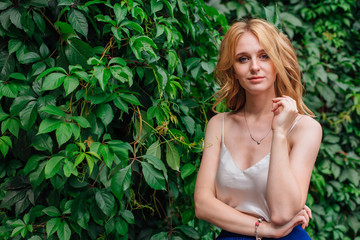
(244, 53)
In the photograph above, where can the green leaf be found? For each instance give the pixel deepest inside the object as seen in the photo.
(11, 124)
(17, 230)
(4, 147)
(53, 81)
(154, 150)
(52, 211)
(187, 170)
(153, 177)
(52, 226)
(12, 197)
(7, 140)
(189, 124)
(32, 163)
(29, 57)
(105, 113)
(69, 168)
(132, 26)
(83, 122)
(103, 75)
(78, 52)
(117, 60)
(64, 231)
(156, 6)
(39, 21)
(63, 133)
(78, 22)
(142, 43)
(67, 32)
(121, 181)
(43, 142)
(44, 50)
(79, 159)
(161, 77)
(190, 63)
(172, 156)
(157, 163)
(50, 70)
(18, 76)
(290, 18)
(70, 84)
(172, 60)
(120, 13)
(9, 90)
(5, 4)
(128, 216)
(28, 115)
(130, 98)
(121, 226)
(15, 18)
(54, 110)
(161, 235)
(352, 175)
(123, 74)
(14, 45)
(52, 166)
(107, 155)
(49, 125)
(90, 162)
(120, 104)
(105, 201)
(82, 75)
(272, 15)
(17, 223)
(189, 231)
(3, 115)
(19, 103)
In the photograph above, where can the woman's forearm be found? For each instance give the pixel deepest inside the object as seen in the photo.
(220, 214)
(283, 192)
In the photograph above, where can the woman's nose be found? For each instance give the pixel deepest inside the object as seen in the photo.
(254, 67)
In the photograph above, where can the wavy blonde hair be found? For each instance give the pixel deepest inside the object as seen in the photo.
(281, 53)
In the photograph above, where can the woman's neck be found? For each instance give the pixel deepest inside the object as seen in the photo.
(258, 105)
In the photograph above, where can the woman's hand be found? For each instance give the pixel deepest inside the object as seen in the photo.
(285, 112)
(278, 231)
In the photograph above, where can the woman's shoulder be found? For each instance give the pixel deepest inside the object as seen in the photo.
(305, 123)
(308, 122)
(216, 121)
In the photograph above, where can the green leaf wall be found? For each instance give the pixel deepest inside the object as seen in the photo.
(104, 106)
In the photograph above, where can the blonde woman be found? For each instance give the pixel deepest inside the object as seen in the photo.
(257, 161)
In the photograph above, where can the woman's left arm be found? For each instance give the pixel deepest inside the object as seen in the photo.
(292, 159)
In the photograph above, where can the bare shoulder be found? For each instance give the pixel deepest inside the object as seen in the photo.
(307, 122)
(215, 123)
(307, 128)
(214, 128)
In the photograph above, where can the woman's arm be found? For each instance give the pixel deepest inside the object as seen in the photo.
(290, 170)
(209, 208)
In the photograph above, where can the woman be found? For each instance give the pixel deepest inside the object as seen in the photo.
(257, 161)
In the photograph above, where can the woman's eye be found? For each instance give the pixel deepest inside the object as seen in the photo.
(242, 59)
(264, 56)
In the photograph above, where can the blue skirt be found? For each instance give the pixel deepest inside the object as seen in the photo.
(297, 234)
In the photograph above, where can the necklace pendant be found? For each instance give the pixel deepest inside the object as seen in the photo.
(258, 142)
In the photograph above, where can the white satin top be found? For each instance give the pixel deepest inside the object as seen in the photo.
(244, 190)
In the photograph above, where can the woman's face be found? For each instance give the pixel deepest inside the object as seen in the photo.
(253, 67)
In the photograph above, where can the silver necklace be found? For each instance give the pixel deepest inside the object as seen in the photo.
(257, 141)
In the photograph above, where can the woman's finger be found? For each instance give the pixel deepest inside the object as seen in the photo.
(308, 210)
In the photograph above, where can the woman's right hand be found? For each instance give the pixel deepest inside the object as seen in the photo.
(278, 231)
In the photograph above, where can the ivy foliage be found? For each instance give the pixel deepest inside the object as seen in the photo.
(104, 105)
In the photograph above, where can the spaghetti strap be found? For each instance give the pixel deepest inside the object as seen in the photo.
(295, 122)
(222, 131)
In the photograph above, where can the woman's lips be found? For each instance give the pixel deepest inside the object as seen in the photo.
(256, 79)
